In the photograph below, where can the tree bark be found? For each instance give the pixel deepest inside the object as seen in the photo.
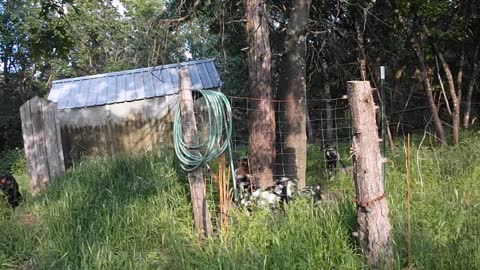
(471, 85)
(310, 131)
(372, 209)
(455, 95)
(201, 214)
(261, 150)
(361, 57)
(425, 80)
(328, 106)
(356, 11)
(460, 76)
(389, 135)
(293, 89)
(397, 77)
(7, 58)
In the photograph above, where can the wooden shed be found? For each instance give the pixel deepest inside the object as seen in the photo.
(127, 111)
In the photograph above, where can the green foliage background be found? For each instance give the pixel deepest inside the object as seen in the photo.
(13, 161)
(44, 40)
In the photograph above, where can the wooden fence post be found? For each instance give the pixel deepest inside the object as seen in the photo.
(201, 214)
(372, 209)
(42, 142)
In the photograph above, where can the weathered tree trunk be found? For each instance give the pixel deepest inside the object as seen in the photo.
(310, 131)
(361, 56)
(328, 106)
(460, 76)
(455, 95)
(427, 86)
(201, 214)
(471, 85)
(458, 118)
(372, 209)
(293, 89)
(357, 10)
(397, 77)
(261, 148)
(389, 136)
(7, 57)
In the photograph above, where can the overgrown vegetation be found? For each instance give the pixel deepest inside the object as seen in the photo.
(134, 213)
(13, 161)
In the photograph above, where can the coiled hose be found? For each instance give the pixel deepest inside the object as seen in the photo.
(219, 115)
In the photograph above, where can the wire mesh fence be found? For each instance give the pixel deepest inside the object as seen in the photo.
(328, 127)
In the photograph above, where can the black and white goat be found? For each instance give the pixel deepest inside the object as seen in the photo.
(244, 180)
(332, 158)
(283, 191)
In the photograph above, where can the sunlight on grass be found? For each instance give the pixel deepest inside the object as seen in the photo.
(134, 213)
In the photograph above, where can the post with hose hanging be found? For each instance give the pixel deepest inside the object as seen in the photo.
(201, 214)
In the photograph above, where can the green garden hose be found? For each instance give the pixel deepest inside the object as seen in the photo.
(219, 137)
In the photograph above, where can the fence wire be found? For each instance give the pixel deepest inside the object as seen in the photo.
(328, 126)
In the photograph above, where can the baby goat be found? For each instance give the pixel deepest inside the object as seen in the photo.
(10, 189)
(332, 157)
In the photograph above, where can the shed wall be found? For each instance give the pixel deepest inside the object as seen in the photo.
(127, 127)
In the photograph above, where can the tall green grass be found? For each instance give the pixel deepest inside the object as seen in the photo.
(134, 213)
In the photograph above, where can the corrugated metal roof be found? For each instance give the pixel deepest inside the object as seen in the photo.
(131, 85)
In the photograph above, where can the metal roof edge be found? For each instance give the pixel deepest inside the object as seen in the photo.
(112, 103)
(110, 74)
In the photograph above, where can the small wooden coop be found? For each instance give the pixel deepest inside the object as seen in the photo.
(126, 111)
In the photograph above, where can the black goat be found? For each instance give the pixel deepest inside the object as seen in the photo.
(10, 189)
